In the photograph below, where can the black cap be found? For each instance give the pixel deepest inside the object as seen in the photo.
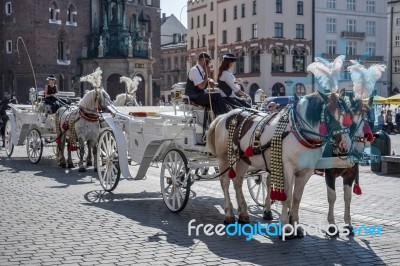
(51, 77)
(229, 57)
(204, 55)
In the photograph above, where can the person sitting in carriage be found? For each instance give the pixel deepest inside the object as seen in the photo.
(229, 85)
(198, 81)
(51, 93)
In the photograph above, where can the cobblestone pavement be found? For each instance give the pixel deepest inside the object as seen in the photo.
(50, 216)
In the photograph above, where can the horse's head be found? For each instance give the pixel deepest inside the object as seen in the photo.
(336, 119)
(95, 99)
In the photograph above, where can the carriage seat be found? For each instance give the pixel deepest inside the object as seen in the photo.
(190, 105)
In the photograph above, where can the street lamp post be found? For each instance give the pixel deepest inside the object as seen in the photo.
(180, 20)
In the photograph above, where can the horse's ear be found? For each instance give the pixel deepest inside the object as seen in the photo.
(342, 93)
(323, 96)
(352, 102)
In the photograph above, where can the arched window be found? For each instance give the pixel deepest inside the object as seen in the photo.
(299, 59)
(278, 90)
(62, 45)
(278, 59)
(300, 89)
(253, 89)
(240, 62)
(53, 16)
(255, 60)
(71, 16)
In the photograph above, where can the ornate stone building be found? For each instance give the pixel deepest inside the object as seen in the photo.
(71, 38)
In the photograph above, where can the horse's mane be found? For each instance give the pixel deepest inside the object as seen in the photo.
(314, 108)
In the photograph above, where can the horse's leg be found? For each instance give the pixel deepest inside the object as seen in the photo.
(94, 157)
(70, 164)
(89, 155)
(348, 178)
(241, 169)
(300, 181)
(225, 181)
(81, 152)
(60, 150)
(267, 215)
(330, 179)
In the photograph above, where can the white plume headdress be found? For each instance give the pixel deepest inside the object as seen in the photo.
(327, 73)
(131, 84)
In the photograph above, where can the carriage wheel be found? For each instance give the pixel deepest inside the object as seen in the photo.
(7, 139)
(175, 180)
(34, 146)
(107, 161)
(258, 188)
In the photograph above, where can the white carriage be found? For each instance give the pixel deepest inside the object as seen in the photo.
(32, 126)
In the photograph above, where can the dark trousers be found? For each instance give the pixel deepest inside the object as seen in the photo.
(53, 102)
(217, 102)
(236, 103)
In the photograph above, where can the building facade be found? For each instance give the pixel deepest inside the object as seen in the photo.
(173, 55)
(394, 47)
(72, 38)
(357, 29)
(272, 40)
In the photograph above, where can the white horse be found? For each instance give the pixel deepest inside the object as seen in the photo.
(81, 123)
(312, 121)
(129, 97)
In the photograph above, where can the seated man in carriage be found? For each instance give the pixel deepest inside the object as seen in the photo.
(198, 81)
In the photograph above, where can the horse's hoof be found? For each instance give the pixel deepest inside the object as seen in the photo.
(229, 220)
(331, 231)
(63, 165)
(82, 170)
(88, 164)
(71, 165)
(350, 228)
(268, 216)
(244, 219)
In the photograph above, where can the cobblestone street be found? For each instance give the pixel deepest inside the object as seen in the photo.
(52, 216)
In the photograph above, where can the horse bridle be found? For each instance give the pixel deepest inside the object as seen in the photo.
(365, 117)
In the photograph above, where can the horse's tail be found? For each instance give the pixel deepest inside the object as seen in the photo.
(211, 134)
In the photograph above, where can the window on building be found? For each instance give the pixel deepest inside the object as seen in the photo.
(330, 25)
(198, 42)
(8, 8)
(240, 63)
(278, 4)
(149, 2)
(192, 23)
(299, 31)
(243, 10)
(235, 12)
(211, 27)
(9, 46)
(331, 4)
(238, 34)
(371, 6)
(254, 31)
(351, 25)
(300, 89)
(278, 60)
(351, 48)
(397, 21)
(371, 28)
(397, 40)
(255, 60)
(53, 9)
(254, 7)
(71, 16)
(331, 46)
(351, 5)
(204, 20)
(300, 8)
(212, 52)
(211, 6)
(198, 21)
(61, 49)
(298, 60)
(278, 30)
(224, 37)
(224, 15)
(396, 64)
(203, 40)
(370, 48)
(191, 42)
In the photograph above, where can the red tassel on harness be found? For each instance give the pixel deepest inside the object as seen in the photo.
(231, 173)
(282, 196)
(357, 189)
(58, 140)
(370, 137)
(72, 148)
(347, 121)
(64, 126)
(249, 152)
(323, 130)
(366, 128)
(273, 195)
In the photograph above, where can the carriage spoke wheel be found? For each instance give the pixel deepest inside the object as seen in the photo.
(34, 146)
(9, 146)
(258, 188)
(175, 180)
(107, 161)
